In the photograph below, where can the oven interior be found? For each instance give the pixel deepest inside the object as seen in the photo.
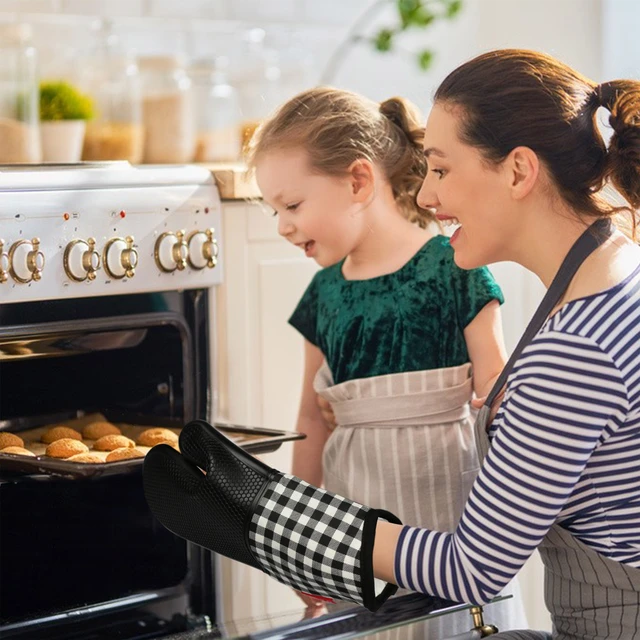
(72, 549)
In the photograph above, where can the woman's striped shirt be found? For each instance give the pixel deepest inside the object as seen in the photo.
(565, 448)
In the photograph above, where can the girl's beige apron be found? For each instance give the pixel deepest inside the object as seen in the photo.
(406, 443)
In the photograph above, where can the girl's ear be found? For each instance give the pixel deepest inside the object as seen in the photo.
(361, 179)
(523, 167)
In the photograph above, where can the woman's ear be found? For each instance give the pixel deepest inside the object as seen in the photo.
(523, 167)
(361, 180)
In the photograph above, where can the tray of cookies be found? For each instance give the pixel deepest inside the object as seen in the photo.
(97, 445)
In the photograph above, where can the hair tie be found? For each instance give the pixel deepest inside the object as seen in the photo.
(606, 93)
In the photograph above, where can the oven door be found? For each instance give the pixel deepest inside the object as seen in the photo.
(80, 553)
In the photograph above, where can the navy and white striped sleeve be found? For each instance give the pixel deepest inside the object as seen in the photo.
(564, 397)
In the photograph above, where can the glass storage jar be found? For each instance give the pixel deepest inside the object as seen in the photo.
(216, 112)
(19, 96)
(112, 80)
(166, 110)
(257, 76)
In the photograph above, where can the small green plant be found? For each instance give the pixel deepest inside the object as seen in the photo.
(417, 14)
(60, 100)
(412, 15)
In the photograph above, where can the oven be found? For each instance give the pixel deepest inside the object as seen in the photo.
(106, 315)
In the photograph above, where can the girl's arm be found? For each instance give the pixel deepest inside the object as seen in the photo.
(485, 344)
(307, 453)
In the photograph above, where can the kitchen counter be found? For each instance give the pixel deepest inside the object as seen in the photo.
(234, 181)
(414, 612)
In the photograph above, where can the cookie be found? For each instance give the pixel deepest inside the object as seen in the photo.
(124, 454)
(10, 440)
(57, 433)
(157, 435)
(86, 458)
(96, 430)
(18, 451)
(65, 448)
(109, 443)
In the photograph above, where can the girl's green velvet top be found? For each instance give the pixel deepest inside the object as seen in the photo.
(409, 320)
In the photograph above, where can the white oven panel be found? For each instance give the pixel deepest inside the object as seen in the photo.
(75, 231)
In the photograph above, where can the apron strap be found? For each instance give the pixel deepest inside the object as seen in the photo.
(591, 239)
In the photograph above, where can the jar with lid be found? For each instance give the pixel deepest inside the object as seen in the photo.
(216, 112)
(166, 110)
(258, 78)
(19, 97)
(110, 76)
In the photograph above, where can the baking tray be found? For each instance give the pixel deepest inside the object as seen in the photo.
(254, 440)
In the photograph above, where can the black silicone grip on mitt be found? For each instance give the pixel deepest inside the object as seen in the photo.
(213, 511)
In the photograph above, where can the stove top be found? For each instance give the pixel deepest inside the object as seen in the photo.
(106, 228)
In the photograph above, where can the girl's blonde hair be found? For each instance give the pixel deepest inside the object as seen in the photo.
(338, 127)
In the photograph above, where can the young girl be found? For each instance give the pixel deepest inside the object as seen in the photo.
(397, 337)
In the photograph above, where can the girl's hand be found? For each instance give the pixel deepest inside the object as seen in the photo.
(478, 403)
(327, 412)
(313, 603)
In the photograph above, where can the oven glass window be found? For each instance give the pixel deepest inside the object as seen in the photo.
(66, 543)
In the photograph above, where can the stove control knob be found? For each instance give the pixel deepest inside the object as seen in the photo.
(4, 263)
(120, 258)
(171, 251)
(26, 261)
(81, 260)
(203, 249)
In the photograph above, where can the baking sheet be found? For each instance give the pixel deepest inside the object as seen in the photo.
(252, 439)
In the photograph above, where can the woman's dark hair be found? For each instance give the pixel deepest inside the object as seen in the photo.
(513, 97)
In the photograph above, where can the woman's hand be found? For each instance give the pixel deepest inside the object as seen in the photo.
(327, 412)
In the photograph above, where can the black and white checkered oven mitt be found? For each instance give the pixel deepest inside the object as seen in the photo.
(215, 494)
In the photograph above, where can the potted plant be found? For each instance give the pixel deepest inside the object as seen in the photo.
(63, 114)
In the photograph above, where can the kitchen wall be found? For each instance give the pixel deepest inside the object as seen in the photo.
(305, 33)
(595, 36)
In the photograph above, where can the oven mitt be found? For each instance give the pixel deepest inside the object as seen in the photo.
(222, 498)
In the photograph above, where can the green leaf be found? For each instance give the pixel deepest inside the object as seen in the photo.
(383, 40)
(425, 58)
(453, 8)
(406, 9)
(422, 17)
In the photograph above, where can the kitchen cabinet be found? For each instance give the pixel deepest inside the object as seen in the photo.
(259, 364)
(259, 360)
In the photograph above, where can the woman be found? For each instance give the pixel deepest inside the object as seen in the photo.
(516, 159)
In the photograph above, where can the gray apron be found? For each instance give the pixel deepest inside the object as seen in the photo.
(405, 442)
(589, 596)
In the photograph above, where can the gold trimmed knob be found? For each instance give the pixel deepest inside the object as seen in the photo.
(119, 258)
(4, 263)
(81, 260)
(26, 261)
(171, 251)
(203, 249)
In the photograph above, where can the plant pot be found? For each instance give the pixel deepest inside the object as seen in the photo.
(62, 140)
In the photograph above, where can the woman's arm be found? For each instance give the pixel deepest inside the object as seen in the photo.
(485, 344)
(307, 453)
(564, 394)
